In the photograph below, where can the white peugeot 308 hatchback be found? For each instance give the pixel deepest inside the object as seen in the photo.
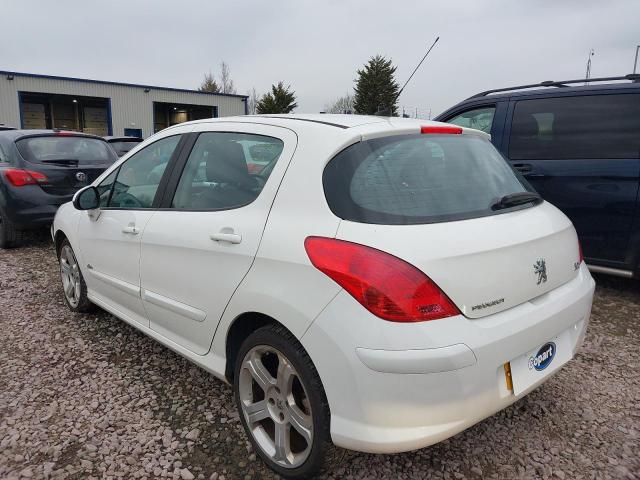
(368, 283)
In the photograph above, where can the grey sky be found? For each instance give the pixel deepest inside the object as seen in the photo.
(316, 46)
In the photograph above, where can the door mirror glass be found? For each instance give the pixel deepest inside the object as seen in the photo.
(87, 199)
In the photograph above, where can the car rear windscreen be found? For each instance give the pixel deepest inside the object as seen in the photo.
(58, 149)
(415, 179)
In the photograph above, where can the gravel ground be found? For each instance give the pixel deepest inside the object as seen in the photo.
(90, 397)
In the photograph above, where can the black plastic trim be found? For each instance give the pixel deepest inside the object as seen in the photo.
(337, 125)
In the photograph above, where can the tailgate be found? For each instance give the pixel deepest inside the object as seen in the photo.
(67, 180)
(485, 265)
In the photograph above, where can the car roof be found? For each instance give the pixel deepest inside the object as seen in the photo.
(322, 121)
(552, 88)
(123, 138)
(548, 89)
(344, 126)
(331, 120)
(20, 133)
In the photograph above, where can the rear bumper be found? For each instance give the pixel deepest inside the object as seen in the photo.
(396, 387)
(30, 207)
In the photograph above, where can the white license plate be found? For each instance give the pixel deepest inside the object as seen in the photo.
(540, 362)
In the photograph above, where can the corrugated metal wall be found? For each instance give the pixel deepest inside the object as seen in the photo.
(131, 106)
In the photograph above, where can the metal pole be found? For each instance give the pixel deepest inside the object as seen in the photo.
(635, 63)
(417, 67)
(588, 74)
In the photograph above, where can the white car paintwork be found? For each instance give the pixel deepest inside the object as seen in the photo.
(114, 277)
(479, 250)
(391, 387)
(205, 271)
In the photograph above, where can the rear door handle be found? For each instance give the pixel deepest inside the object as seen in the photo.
(130, 229)
(226, 237)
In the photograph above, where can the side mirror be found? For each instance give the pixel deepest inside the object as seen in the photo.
(87, 198)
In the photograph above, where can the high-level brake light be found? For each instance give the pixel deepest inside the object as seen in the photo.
(441, 129)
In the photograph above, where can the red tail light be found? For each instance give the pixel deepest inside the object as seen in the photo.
(19, 178)
(388, 287)
(441, 129)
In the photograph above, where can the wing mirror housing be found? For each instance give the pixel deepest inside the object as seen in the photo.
(86, 198)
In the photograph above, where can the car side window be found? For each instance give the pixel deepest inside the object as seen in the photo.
(576, 127)
(478, 118)
(3, 156)
(138, 178)
(104, 188)
(226, 170)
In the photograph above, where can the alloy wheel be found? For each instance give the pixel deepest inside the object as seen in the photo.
(275, 406)
(70, 273)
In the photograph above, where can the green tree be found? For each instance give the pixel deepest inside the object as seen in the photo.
(376, 88)
(279, 100)
(209, 84)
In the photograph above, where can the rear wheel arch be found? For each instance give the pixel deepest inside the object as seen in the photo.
(243, 326)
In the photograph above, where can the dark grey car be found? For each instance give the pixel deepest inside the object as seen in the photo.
(39, 171)
(122, 145)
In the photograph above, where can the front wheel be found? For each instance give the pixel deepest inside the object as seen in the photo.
(73, 284)
(282, 404)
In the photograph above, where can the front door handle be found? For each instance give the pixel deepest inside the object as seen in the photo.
(130, 229)
(226, 237)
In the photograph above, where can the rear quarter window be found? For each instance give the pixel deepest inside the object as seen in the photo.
(3, 155)
(414, 179)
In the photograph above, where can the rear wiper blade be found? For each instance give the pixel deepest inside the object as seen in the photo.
(518, 198)
(62, 161)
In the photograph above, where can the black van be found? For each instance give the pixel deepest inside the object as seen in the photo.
(579, 146)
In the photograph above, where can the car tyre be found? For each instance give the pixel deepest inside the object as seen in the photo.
(73, 284)
(10, 236)
(279, 394)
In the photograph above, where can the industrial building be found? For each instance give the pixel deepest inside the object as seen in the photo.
(99, 107)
